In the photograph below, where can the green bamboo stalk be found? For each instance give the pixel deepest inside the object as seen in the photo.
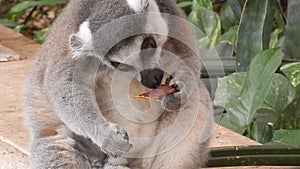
(254, 155)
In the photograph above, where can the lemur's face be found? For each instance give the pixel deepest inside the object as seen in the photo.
(140, 55)
(132, 44)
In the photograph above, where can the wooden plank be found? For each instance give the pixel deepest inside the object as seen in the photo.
(17, 42)
(7, 54)
(225, 137)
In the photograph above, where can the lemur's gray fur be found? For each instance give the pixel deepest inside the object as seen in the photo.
(79, 97)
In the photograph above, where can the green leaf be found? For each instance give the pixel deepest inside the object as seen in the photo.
(27, 4)
(241, 2)
(289, 118)
(229, 88)
(259, 77)
(279, 20)
(8, 23)
(229, 36)
(281, 94)
(228, 18)
(280, 42)
(185, 4)
(208, 22)
(207, 4)
(292, 39)
(274, 38)
(204, 42)
(40, 36)
(254, 30)
(242, 107)
(292, 72)
(19, 28)
(262, 131)
(236, 7)
(286, 137)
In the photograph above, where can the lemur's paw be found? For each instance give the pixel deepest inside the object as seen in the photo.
(116, 141)
(177, 85)
(180, 88)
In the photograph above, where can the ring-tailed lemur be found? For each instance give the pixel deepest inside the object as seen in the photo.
(79, 101)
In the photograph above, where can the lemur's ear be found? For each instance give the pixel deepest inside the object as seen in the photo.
(81, 41)
(75, 43)
(139, 6)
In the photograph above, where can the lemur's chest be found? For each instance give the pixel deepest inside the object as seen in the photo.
(117, 103)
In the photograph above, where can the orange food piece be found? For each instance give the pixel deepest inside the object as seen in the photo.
(157, 93)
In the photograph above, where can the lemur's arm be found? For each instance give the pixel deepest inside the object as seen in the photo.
(70, 90)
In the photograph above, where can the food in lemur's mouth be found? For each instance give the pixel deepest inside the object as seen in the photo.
(159, 92)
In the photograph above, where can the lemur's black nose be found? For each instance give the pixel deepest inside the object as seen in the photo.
(151, 78)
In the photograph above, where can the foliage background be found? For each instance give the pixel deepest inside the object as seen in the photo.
(261, 95)
(250, 49)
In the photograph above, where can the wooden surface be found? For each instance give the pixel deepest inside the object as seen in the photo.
(7, 54)
(13, 135)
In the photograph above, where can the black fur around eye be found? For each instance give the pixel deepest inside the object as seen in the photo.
(115, 64)
(121, 66)
(148, 44)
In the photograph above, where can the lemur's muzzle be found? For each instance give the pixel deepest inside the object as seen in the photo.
(151, 78)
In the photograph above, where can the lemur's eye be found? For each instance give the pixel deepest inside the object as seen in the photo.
(115, 64)
(121, 66)
(148, 44)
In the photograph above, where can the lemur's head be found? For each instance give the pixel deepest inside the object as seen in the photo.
(131, 43)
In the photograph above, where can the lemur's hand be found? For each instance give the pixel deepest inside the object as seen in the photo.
(180, 86)
(114, 141)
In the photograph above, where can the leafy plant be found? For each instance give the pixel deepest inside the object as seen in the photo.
(292, 31)
(29, 16)
(262, 98)
(207, 21)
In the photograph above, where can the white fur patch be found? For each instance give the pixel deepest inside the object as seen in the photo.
(138, 5)
(84, 32)
(81, 42)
